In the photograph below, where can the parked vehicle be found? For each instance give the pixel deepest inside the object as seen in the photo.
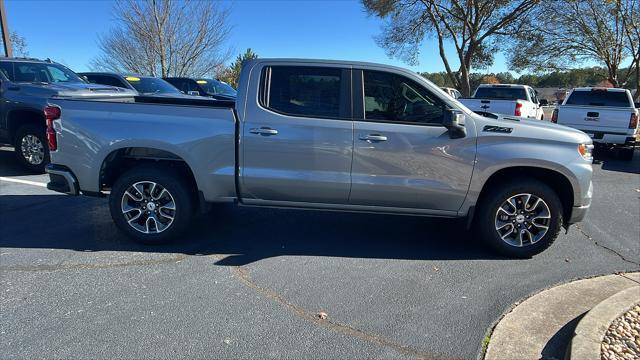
(454, 93)
(216, 89)
(329, 135)
(506, 99)
(144, 85)
(608, 116)
(25, 86)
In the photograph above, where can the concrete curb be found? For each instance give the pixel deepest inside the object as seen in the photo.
(542, 325)
(590, 331)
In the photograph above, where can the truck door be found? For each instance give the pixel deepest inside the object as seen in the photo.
(403, 156)
(297, 141)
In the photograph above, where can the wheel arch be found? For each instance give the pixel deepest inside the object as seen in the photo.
(556, 180)
(17, 118)
(120, 160)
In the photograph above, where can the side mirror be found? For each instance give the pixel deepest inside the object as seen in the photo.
(454, 122)
(194, 93)
(544, 102)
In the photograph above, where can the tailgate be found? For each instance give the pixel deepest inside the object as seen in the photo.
(590, 117)
(506, 107)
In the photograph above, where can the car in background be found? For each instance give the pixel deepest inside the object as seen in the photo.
(505, 99)
(144, 85)
(212, 88)
(607, 115)
(454, 93)
(26, 85)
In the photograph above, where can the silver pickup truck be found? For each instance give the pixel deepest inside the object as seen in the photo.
(334, 135)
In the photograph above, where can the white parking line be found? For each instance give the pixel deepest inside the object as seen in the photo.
(20, 181)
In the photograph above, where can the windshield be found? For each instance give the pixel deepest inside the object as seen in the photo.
(151, 85)
(501, 93)
(215, 87)
(599, 98)
(25, 72)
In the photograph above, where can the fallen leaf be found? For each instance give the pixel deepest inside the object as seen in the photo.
(227, 341)
(567, 260)
(322, 315)
(435, 268)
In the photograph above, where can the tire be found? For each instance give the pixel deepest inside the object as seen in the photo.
(534, 239)
(626, 154)
(167, 224)
(31, 148)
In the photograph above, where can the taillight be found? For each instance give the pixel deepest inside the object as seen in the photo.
(554, 116)
(518, 111)
(51, 113)
(633, 122)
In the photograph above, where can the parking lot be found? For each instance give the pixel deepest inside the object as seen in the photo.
(252, 282)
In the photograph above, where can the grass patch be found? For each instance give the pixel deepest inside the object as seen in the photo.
(485, 344)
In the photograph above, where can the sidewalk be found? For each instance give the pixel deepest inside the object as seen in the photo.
(542, 326)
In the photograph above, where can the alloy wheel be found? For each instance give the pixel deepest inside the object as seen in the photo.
(522, 220)
(148, 207)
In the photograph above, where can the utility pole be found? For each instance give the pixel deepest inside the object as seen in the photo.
(6, 37)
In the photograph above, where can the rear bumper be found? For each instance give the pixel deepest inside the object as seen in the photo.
(603, 137)
(62, 180)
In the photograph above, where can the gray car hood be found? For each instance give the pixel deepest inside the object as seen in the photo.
(530, 128)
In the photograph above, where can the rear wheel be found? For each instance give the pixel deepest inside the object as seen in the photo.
(520, 218)
(31, 148)
(151, 205)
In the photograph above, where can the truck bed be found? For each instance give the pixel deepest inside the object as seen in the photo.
(200, 132)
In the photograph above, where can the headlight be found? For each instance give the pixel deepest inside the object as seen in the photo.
(586, 151)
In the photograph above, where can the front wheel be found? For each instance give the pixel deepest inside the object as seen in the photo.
(31, 148)
(151, 205)
(520, 218)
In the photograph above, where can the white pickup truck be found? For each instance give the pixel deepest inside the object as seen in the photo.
(505, 99)
(607, 115)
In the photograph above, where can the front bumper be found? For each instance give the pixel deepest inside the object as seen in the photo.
(578, 213)
(62, 180)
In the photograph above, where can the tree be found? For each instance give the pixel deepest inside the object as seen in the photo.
(477, 29)
(567, 33)
(231, 75)
(18, 45)
(165, 38)
(631, 17)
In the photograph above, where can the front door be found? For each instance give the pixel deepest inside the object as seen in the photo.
(403, 156)
(298, 144)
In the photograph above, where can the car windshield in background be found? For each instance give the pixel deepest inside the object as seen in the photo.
(151, 85)
(501, 93)
(600, 98)
(25, 72)
(215, 87)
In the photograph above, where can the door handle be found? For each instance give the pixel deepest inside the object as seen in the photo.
(264, 131)
(373, 138)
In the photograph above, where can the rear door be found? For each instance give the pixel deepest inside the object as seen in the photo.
(403, 155)
(297, 142)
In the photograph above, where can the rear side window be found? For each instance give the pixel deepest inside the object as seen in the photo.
(599, 98)
(501, 93)
(305, 91)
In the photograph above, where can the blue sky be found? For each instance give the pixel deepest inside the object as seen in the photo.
(67, 31)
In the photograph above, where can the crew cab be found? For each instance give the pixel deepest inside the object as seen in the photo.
(328, 135)
(26, 84)
(506, 99)
(212, 88)
(607, 115)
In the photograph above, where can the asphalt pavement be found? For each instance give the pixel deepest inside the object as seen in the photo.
(250, 283)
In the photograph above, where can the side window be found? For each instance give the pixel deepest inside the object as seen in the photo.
(305, 91)
(534, 98)
(7, 69)
(57, 75)
(193, 86)
(392, 97)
